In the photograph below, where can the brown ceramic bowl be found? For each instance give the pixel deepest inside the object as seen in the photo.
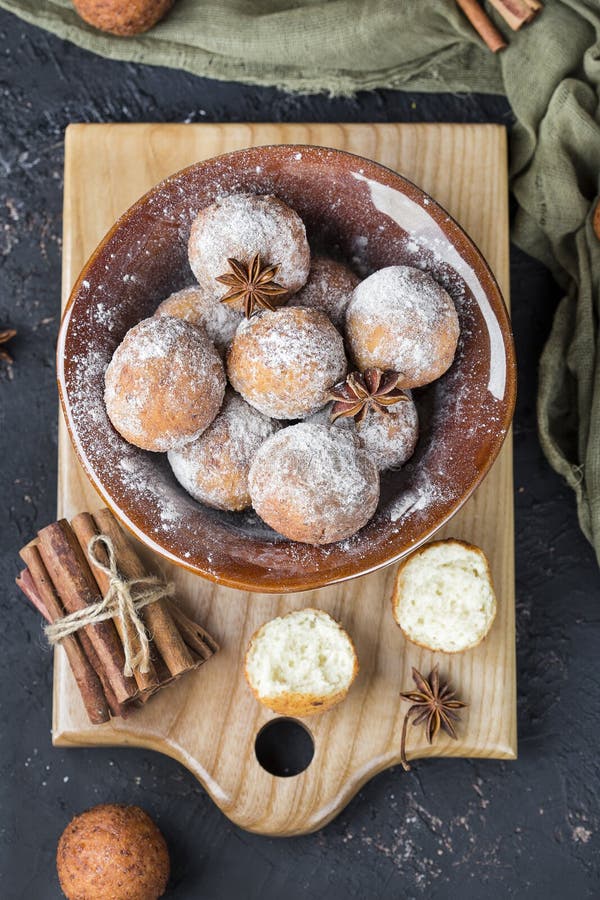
(364, 213)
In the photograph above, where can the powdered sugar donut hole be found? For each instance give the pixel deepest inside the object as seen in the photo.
(329, 288)
(199, 306)
(390, 436)
(285, 362)
(400, 318)
(314, 484)
(164, 384)
(241, 225)
(214, 467)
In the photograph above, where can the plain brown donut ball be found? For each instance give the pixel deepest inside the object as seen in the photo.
(390, 436)
(400, 318)
(329, 288)
(214, 468)
(285, 362)
(241, 225)
(122, 17)
(164, 384)
(112, 852)
(314, 484)
(199, 307)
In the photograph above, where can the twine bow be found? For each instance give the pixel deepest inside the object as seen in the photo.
(119, 603)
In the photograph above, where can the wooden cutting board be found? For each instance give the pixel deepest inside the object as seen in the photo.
(209, 720)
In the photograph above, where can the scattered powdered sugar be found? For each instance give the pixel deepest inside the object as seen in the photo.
(166, 510)
(214, 467)
(416, 499)
(139, 474)
(285, 362)
(314, 484)
(401, 318)
(240, 225)
(105, 316)
(329, 288)
(198, 306)
(85, 385)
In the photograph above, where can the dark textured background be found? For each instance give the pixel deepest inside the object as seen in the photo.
(467, 829)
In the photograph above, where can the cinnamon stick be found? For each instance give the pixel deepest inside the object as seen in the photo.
(76, 586)
(159, 621)
(198, 640)
(482, 24)
(41, 594)
(32, 558)
(517, 13)
(85, 528)
(25, 582)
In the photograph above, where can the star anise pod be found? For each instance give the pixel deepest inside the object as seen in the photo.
(252, 284)
(358, 393)
(5, 336)
(433, 705)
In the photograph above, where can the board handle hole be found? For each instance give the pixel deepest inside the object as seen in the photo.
(284, 747)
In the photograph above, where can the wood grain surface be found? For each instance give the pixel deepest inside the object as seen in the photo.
(209, 720)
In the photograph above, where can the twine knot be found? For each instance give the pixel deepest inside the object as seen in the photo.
(123, 601)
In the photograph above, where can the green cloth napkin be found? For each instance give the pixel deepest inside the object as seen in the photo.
(550, 74)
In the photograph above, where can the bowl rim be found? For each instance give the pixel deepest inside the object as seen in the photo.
(315, 582)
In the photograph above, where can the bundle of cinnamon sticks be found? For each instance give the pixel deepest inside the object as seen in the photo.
(61, 578)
